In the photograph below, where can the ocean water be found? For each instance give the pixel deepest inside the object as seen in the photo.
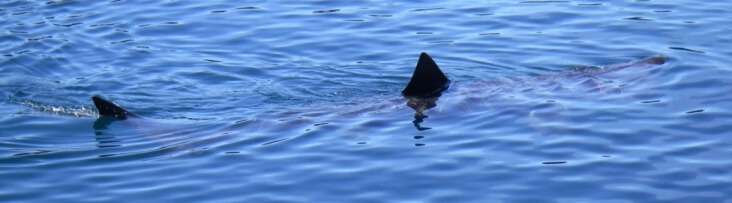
(299, 101)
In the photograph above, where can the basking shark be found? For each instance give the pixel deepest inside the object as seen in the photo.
(427, 84)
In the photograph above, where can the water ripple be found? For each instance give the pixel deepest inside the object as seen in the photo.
(298, 101)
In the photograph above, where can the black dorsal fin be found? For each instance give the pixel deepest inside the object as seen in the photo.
(107, 108)
(427, 80)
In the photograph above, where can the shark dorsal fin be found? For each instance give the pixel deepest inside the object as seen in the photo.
(107, 108)
(427, 80)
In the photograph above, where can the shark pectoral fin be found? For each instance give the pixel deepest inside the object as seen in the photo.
(107, 108)
(427, 79)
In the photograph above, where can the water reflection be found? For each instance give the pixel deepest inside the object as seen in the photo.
(420, 106)
(100, 126)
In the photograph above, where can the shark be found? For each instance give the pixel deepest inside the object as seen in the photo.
(426, 85)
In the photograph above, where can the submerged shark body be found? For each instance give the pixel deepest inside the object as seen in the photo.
(427, 84)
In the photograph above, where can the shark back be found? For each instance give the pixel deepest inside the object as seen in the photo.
(427, 80)
(107, 108)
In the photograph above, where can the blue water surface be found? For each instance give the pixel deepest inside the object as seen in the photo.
(299, 101)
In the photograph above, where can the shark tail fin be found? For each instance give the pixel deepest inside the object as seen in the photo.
(107, 108)
(427, 80)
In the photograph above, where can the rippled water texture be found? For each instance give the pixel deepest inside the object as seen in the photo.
(299, 101)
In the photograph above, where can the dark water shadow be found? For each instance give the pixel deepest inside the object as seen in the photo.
(104, 140)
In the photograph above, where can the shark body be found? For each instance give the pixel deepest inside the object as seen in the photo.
(426, 85)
